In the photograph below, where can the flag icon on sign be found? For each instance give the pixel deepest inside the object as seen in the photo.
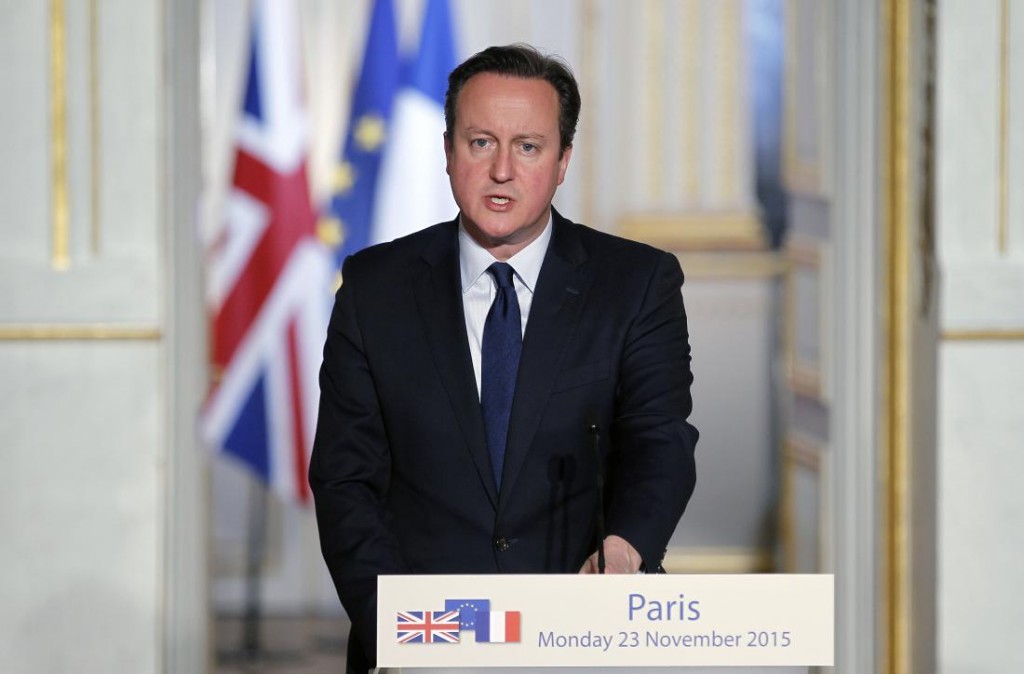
(498, 626)
(428, 627)
(467, 609)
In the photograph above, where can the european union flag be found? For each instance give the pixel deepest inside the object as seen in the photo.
(349, 219)
(467, 609)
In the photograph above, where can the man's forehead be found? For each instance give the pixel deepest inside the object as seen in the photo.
(492, 92)
(503, 81)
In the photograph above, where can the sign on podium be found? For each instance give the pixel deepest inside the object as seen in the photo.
(614, 621)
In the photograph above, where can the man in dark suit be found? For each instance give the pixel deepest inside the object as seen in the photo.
(469, 368)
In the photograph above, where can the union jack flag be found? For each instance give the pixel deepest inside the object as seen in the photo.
(428, 627)
(268, 279)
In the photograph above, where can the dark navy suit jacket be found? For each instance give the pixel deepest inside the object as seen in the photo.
(400, 469)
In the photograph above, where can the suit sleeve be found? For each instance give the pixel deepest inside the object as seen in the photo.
(350, 468)
(651, 468)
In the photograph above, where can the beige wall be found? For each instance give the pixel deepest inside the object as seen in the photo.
(980, 239)
(101, 330)
(83, 421)
(94, 200)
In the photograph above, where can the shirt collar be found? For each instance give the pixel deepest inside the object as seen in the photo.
(474, 259)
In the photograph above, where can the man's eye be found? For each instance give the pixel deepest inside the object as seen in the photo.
(479, 142)
(529, 147)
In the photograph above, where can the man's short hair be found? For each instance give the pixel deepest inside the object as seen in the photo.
(526, 62)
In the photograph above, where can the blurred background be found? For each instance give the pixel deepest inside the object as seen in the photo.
(180, 181)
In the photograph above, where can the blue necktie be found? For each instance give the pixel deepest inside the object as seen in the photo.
(502, 344)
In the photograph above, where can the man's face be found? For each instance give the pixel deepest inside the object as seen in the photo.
(503, 159)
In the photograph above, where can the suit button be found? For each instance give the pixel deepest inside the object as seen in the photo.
(502, 545)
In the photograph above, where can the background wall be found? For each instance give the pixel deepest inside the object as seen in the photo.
(105, 512)
(980, 214)
(87, 319)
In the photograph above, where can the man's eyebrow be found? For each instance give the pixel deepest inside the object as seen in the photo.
(530, 136)
(535, 135)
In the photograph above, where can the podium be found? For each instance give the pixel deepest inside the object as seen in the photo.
(782, 623)
(592, 670)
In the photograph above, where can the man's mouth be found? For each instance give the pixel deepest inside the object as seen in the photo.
(500, 201)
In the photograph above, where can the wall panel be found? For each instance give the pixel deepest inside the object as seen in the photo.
(980, 236)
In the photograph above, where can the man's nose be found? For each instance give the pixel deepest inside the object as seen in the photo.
(502, 166)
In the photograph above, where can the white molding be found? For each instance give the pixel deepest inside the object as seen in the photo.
(185, 625)
(855, 544)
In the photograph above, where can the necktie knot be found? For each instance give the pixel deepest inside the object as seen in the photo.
(502, 273)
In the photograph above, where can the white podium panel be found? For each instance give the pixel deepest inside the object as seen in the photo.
(591, 621)
(594, 670)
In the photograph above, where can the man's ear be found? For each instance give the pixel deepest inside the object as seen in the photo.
(563, 163)
(447, 153)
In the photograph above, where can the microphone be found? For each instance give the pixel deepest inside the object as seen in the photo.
(595, 434)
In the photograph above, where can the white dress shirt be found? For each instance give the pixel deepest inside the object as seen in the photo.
(479, 288)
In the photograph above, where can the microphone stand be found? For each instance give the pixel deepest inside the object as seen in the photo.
(595, 434)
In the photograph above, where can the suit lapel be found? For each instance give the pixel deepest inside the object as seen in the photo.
(561, 289)
(439, 297)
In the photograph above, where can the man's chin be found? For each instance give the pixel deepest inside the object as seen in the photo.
(498, 232)
(489, 234)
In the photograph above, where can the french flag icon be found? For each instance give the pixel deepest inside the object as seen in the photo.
(498, 626)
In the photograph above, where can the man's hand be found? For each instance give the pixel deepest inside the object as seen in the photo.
(619, 557)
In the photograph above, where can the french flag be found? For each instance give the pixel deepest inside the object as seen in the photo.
(412, 188)
(498, 626)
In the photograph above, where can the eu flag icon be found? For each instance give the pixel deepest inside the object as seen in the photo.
(467, 609)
